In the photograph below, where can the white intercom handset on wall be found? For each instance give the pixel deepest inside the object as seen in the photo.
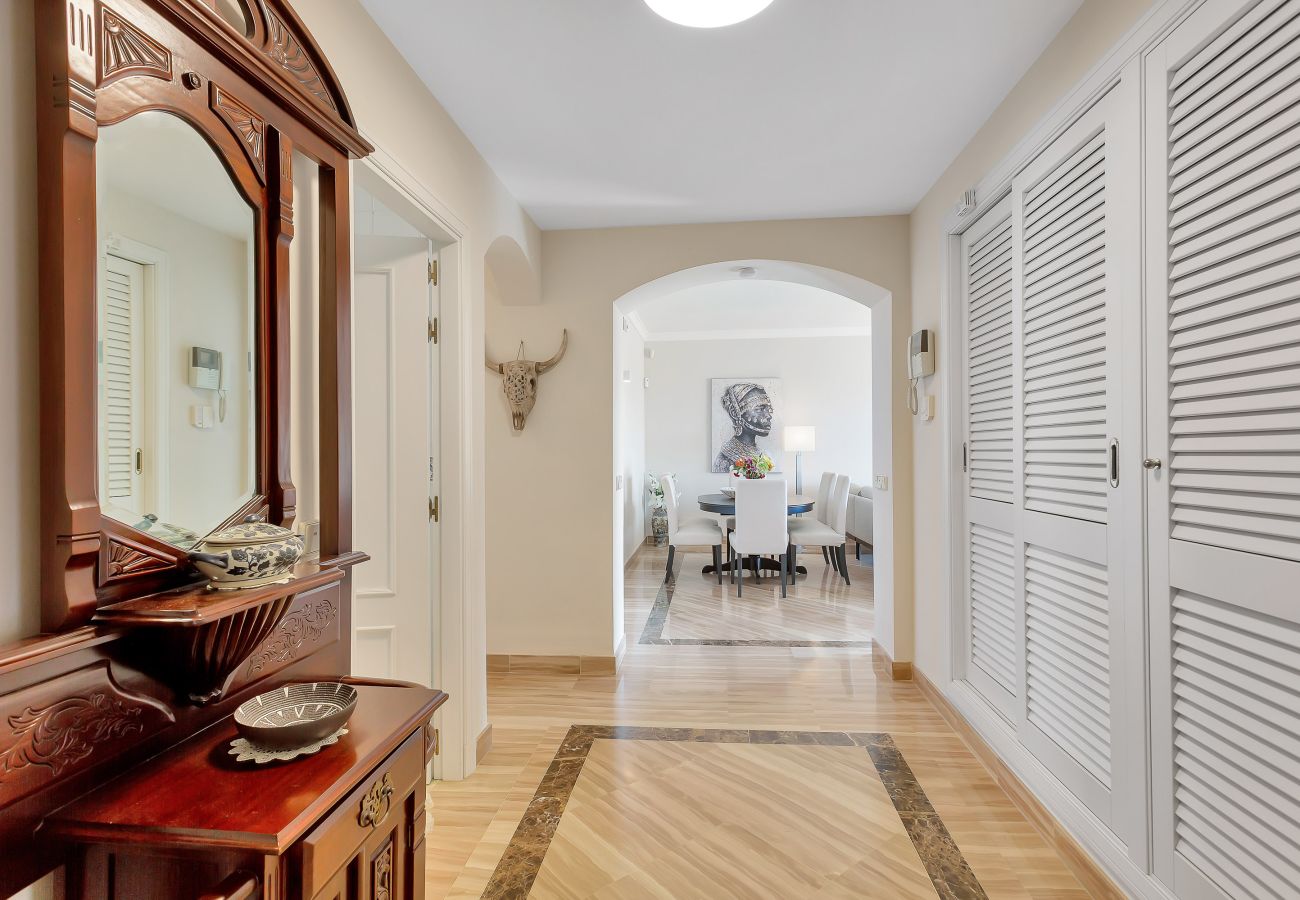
(920, 364)
(208, 372)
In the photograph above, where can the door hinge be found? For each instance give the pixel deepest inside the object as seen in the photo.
(433, 329)
(965, 458)
(434, 512)
(433, 272)
(139, 461)
(437, 741)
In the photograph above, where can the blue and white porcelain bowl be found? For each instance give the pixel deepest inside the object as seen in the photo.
(247, 555)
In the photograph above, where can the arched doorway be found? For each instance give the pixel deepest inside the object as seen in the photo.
(878, 300)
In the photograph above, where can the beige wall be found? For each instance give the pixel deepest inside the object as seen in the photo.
(551, 589)
(1092, 32)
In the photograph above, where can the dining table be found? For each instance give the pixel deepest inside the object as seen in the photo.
(725, 505)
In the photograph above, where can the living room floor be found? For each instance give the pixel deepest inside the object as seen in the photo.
(785, 768)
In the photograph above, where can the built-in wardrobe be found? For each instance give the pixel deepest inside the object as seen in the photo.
(1129, 543)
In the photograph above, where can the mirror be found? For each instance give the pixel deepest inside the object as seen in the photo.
(176, 367)
(233, 12)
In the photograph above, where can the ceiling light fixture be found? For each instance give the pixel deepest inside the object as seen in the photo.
(708, 13)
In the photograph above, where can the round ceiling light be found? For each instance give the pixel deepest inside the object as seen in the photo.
(708, 13)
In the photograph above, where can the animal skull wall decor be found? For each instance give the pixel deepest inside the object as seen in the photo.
(519, 381)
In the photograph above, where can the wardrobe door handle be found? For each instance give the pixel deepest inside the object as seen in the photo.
(1114, 462)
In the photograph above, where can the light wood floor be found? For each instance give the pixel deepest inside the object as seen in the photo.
(732, 816)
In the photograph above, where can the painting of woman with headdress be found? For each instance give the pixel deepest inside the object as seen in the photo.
(745, 413)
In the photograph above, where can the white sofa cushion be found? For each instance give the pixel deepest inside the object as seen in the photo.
(860, 513)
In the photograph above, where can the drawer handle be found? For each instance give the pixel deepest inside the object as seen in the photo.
(376, 803)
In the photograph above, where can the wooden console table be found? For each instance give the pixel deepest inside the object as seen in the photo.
(345, 822)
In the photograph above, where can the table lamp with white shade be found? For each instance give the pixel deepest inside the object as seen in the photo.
(799, 439)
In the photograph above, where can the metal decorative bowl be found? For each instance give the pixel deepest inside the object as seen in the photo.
(295, 715)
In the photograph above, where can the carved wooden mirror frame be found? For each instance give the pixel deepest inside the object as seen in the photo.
(256, 97)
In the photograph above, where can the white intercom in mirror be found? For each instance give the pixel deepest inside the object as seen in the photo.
(205, 369)
(207, 372)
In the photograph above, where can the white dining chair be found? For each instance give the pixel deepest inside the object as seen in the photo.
(819, 511)
(829, 535)
(693, 532)
(761, 507)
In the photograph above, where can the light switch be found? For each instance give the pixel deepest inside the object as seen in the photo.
(618, 482)
(201, 416)
(881, 482)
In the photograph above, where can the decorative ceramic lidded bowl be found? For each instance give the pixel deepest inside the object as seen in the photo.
(250, 554)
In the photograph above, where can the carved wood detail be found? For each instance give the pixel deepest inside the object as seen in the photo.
(246, 125)
(126, 50)
(300, 628)
(121, 559)
(70, 722)
(287, 51)
(381, 875)
(203, 658)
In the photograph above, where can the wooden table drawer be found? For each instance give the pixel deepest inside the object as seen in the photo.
(374, 804)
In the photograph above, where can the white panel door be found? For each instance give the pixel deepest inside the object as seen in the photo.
(990, 656)
(394, 421)
(1223, 325)
(1075, 210)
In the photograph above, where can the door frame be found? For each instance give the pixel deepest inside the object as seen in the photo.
(460, 532)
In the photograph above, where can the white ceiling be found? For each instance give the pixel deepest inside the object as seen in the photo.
(599, 113)
(752, 308)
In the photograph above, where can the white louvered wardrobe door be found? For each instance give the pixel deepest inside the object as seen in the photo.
(989, 655)
(121, 382)
(1075, 212)
(1223, 325)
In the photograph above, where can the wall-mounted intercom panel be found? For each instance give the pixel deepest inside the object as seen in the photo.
(920, 354)
(205, 369)
(920, 364)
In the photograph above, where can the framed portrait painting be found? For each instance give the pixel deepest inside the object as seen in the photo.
(745, 420)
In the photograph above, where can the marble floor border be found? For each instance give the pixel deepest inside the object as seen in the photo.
(944, 862)
(653, 630)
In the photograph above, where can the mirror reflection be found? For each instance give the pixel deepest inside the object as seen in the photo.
(176, 324)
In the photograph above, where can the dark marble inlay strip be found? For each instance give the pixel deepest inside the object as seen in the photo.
(514, 875)
(949, 872)
(653, 630)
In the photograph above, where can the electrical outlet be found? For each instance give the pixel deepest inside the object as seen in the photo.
(310, 532)
(880, 482)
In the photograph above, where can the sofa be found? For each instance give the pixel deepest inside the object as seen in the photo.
(858, 526)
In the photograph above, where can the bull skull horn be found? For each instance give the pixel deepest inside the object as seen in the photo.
(559, 354)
